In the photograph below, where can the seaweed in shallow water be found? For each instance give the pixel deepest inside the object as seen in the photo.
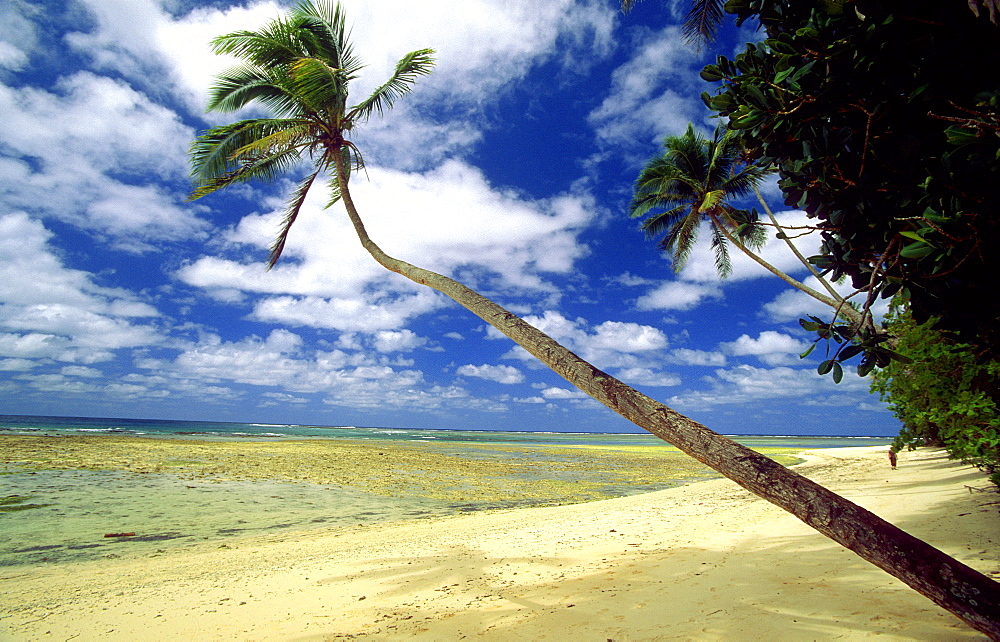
(14, 503)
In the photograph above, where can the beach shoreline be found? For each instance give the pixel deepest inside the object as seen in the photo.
(703, 561)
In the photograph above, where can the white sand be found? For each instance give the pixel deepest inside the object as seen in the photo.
(706, 561)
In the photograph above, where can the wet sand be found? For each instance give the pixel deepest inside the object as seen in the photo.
(703, 561)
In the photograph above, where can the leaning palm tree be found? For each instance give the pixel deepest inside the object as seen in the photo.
(694, 181)
(300, 67)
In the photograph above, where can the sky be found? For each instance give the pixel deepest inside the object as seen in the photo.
(510, 168)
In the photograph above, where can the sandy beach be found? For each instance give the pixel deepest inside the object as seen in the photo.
(705, 561)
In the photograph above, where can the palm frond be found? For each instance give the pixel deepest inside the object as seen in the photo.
(745, 225)
(659, 185)
(335, 194)
(320, 86)
(212, 153)
(702, 21)
(282, 139)
(408, 69)
(663, 223)
(323, 25)
(237, 87)
(627, 5)
(723, 264)
(276, 44)
(264, 169)
(291, 213)
(233, 153)
(681, 238)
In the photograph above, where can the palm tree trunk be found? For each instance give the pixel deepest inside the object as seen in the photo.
(809, 266)
(956, 587)
(839, 304)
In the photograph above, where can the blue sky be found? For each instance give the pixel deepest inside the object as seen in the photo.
(509, 168)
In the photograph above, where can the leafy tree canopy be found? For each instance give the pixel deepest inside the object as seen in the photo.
(945, 396)
(883, 120)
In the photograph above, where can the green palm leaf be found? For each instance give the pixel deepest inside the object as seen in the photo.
(237, 87)
(408, 69)
(689, 183)
(291, 213)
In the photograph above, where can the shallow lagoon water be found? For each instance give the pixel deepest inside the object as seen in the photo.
(174, 489)
(77, 508)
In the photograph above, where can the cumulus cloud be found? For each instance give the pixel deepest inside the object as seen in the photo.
(647, 377)
(18, 36)
(479, 51)
(499, 374)
(450, 220)
(100, 152)
(750, 386)
(772, 348)
(677, 295)
(653, 94)
(633, 350)
(286, 368)
(401, 341)
(692, 357)
(49, 311)
(563, 393)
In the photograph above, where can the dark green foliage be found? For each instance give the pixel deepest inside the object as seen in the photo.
(883, 120)
(945, 396)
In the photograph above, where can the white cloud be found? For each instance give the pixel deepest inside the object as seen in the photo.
(59, 313)
(97, 149)
(772, 348)
(450, 220)
(611, 344)
(81, 371)
(678, 295)
(499, 374)
(563, 393)
(750, 386)
(691, 357)
(627, 337)
(401, 341)
(647, 377)
(284, 362)
(18, 36)
(653, 94)
(281, 397)
(368, 312)
(17, 365)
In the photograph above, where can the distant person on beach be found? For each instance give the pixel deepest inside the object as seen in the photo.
(892, 458)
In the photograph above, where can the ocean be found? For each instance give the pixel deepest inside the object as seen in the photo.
(78, 489)
(211, 430)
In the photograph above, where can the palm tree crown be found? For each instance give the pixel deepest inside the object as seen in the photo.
(299, 67)
(692, 182)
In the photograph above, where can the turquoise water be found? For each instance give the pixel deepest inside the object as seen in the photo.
(22, 424)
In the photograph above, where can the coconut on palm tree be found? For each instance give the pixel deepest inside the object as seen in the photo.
(300, 67)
